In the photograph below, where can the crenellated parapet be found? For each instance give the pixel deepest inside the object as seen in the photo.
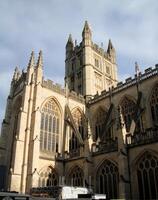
(129, 82)
(76, 96)
(102, 52)
(99, 50)
(49, 84)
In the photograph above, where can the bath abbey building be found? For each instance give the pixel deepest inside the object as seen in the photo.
(95, 132)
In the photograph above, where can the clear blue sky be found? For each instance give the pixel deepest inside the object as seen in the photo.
(27, 25)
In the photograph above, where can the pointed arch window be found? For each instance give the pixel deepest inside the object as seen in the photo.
(16, 109)
(73, 141)
(154, 104)
(76, 177)
(78, 118)
(107, 180)
(99, 123)
(48, 177)
(128, 108)
(52, 179)
(50, 127)
(147, 176)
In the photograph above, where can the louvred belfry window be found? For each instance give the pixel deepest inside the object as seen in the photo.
(50, 127)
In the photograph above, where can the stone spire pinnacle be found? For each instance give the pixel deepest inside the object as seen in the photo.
(32, 60)
(16, 74)
(111, 52)
(110, 46)
(86, 29)
(70, 42)
(70, 38)
(40, 60)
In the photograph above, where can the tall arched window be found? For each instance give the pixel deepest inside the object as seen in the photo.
(128, 108)
(50, 127)
(154, 104)
(99, 122)
(107, 180)
(76, 177)
(147, 175)
(78, 119)
(52, 179)
(16, 111)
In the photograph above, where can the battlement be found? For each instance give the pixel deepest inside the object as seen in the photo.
(148, 73)
(78, 47)
(49, 84)
(99, 50)
(95, 47)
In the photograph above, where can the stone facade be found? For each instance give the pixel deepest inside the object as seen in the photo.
(95, 132)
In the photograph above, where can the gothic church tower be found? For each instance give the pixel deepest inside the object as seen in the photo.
(89, 69)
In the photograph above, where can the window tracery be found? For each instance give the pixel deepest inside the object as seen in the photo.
(78, 118)
(73, 141)
(147, 176)
(154, 104)
(17, 105)
(107, 180)
(76, 176)
(99, 123)
(48, 177)
(128, 109)
(50, 126)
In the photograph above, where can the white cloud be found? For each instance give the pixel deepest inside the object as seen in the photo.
(38, 24)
